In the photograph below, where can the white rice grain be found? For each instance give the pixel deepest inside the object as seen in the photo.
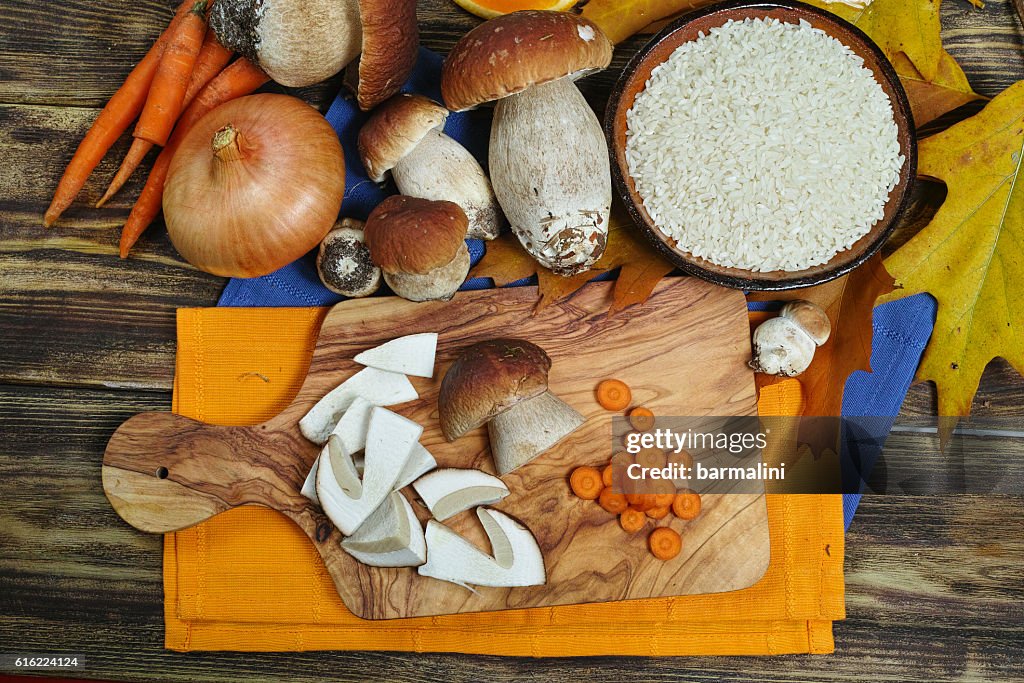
(763, 146)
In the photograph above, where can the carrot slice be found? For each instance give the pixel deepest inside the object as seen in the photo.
(665, 543)
(640, 501)
(659, 512)
(613, 394)
(586, 483)
(664, 500)
(614, 503)
(606, 474)
(632, 521)
(686, 504)
(641, 418)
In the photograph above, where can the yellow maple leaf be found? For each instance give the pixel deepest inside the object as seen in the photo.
(971, 256)
(931, 99)
(619, 19)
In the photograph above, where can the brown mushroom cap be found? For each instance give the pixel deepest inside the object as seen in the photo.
(811, 318)
(391, 41)
(510, 53)
(394, 129)
(487, 379)
(412, 235)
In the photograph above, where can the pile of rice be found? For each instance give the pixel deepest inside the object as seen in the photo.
(764, 146)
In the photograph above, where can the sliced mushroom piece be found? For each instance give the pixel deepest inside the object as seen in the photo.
(412, 354)
(449, 491)
(309, 486)
(412, 554)
(420, 245)
(492, 377)
(516, 560)
(386, 529)
(420, 462)
(548, 157)
(353, 425)
(379, 387)
(405, 136)
(343, 261)
(346, 499)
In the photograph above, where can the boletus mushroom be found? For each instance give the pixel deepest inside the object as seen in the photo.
(405, 136)
(302, 42)
(504, 383)
(420, 245)
(548, 156)
(343, 261)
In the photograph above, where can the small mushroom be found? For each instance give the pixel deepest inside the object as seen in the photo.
(504, 383)
(420, 245)
(785, 345)
(548, 156)
(302, 42)
(404, 136)
(344, 262)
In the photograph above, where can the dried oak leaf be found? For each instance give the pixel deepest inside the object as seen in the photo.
(849, 302)
(641, 267)
(971, 256)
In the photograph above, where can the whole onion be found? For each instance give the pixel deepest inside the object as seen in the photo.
(255, 184)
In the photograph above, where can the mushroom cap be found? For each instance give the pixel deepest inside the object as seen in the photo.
(344, 263)
(811, 318)
(412, 235)
(394, 129)
(487, 379)
(510, 53)
(391, 41)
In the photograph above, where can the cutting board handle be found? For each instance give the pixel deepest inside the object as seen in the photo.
(163, 472)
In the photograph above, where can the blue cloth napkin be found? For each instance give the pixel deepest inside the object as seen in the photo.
(901, 328)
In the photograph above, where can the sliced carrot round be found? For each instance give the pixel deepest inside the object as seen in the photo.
(632, 520)
(664, 500)
(606, 474)
(660, 512)
(612, 502)
(640, 501)
(613, 394)
(686, 504)
(586, 482)
(665, 543)
(641, 418)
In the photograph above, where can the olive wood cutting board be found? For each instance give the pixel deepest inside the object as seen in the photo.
(683, 352)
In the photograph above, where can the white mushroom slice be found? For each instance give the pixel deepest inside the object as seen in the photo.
(449, 491)
(517, 559)
(309, 486)
(351, 428)
(409, 355)
(379, 387)
(386, 529)
(345, 499)
(529, 428)
(420, 462)
(413, 554)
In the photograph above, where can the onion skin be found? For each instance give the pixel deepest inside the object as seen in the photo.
(264, 200)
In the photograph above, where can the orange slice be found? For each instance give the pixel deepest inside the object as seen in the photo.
(488, 9)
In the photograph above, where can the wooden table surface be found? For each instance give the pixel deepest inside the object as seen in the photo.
(934, 586)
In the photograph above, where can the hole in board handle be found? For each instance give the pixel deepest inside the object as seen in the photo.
(161, 473)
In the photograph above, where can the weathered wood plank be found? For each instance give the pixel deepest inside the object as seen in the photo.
(935, 586)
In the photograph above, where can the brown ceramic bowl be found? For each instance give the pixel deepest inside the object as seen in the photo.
(634, 79)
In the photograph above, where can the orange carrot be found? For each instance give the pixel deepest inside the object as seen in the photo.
(167, 93)
(613, 394)
(686, 504)
(120, 110)
(212, 59)
(664, 500)
(665, 543)
(614, 503)
(641, 418)
(606, 475)
(239, 79)
(632, 521)
(586, 483)
(640, 501)
(658, 512)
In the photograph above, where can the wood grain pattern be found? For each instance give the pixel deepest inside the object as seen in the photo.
(164, 472)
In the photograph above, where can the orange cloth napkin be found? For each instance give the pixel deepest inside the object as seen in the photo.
(250, 580)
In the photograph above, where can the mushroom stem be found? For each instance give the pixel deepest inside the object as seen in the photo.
(440, 168)
(529, 428)
(551, 174)
(440, 284)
